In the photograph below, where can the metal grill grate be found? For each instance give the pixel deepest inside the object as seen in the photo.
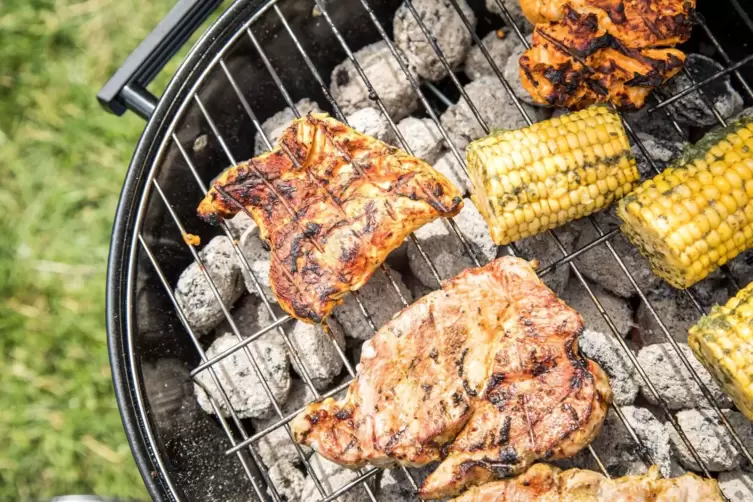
(239, 439)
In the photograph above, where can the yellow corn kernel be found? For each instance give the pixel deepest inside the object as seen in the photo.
(687, 225)
(723, 342)
(554, 171)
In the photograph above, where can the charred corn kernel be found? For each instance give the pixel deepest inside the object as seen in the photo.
(556, 171)
(712, 182)
(723, 342)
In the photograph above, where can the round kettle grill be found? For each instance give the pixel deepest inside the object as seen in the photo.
(258, 58)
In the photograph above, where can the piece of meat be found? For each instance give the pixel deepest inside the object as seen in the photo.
(331, 204)
(575, 62)
(545, 483)
(635, 23)
(483, 374)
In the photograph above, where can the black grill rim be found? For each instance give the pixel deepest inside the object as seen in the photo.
(124, 377)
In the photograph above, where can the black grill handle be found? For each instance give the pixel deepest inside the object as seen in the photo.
(126, 89)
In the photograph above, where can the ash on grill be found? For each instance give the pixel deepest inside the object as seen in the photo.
(320, 351)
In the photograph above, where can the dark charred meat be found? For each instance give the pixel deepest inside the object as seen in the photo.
(545, 483)
(595, 51)
(484, 375)
(331, 204)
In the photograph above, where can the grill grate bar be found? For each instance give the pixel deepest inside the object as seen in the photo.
(567, 258)
(213, 374)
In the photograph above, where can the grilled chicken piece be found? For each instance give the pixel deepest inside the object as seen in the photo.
(635, 23)
(331, 204)
(576, 62)
(545, 483)
(484, 375)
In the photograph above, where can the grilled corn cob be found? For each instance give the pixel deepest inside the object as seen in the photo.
(533, 179)
(723, 342)
(698, 213)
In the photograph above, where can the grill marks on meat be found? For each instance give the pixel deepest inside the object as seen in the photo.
(331, 204)
(545, 483)
(594, 51)
(483, 375)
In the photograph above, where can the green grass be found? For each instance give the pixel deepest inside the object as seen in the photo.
(62, 162)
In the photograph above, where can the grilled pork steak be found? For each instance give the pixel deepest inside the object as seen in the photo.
(544, 483)
(483, 374)
(331, 204)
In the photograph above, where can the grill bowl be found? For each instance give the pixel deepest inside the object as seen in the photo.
(180, 450)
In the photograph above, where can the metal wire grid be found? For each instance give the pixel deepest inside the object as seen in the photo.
(242, 447)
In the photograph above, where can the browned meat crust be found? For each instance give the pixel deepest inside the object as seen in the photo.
(545, 483)
(331, 204)
(595, 51)
(484, 375)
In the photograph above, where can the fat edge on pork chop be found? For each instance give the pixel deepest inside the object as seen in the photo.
(483, 375)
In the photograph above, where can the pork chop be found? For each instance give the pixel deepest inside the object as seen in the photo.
(483, 374)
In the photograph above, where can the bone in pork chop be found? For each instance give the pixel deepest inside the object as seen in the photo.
(483, 374)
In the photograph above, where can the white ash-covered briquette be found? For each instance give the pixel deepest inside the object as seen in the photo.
(332, 477)
(676, 310)
(239, 224)
(453, 170)
(316, 347)
(692, 110)
(443, 23)
(194, 293)
(599, 264)
(511, 72)
(423, 138)
(371, 122)
(662, 151)
(513, 8)
(238, 378)
(500, 45)
(544, 249)
(494, 105)
(379, 298)
(672, 380)
(257, 256)
(605, 350)
(619, 452)
(277, 446)
(709, 437)
(445, 249)
(275, 125)
(736, 485)
(617, 308)
(385, 75)
(288, 479)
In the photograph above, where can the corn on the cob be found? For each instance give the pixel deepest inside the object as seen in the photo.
(698, 213)
(533, 179)
(723, 342)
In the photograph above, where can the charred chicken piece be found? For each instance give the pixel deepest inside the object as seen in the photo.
(545, 483)
(331, 204)
(597, 51)
(484, 375)
(635, 23)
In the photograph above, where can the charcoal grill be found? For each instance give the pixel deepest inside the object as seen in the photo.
(257, 58)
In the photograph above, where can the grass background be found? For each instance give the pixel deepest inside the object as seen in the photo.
(62, 163)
